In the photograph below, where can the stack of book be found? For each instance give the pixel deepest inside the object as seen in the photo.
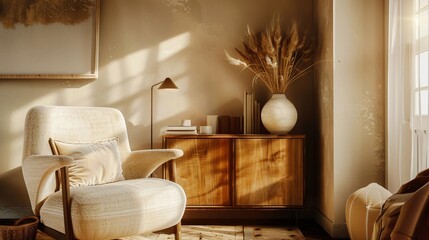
(181, 130)
(225, 124)
(251, 114)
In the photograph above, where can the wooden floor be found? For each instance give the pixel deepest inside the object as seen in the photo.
(309, 231)
(313, 231)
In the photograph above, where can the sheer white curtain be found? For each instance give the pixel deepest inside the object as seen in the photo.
(399, 102)
(407, 91)
(420, 88)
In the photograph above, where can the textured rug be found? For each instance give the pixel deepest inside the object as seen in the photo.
(201, 232)
(191, 232)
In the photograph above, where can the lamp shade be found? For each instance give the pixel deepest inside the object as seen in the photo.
(168, 84)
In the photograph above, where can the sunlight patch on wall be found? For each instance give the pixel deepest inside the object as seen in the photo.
(133, 75)
(129, 66)
(173, 46)
(124, 78)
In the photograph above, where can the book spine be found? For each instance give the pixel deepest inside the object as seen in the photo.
(224, 124)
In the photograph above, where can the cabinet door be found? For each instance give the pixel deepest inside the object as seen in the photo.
(204, 170)
(269, 172)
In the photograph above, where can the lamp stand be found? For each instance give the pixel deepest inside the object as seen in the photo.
(166, 84)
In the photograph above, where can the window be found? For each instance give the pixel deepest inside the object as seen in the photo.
(407, 91)
(421, 86)
(420, 76)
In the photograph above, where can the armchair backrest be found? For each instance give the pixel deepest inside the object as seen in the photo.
(72, 124)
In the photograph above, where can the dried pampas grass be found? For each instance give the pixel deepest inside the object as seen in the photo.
(30, 12)
(276, 58)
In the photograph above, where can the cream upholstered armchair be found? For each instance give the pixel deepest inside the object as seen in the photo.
(110, 195)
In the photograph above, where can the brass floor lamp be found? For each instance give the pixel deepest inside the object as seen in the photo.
(166, 84)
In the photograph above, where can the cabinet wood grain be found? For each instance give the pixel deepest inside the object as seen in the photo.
(228, 174)
(203, 171)
(269, 172)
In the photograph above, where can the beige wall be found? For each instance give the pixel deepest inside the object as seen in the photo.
(351, 104)
(324, 85)
(141, 43)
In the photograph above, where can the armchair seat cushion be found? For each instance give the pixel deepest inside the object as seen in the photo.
(118, 209)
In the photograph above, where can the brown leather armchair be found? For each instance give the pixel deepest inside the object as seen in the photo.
(374, 213)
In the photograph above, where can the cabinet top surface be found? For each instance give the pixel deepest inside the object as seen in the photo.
(234, 136)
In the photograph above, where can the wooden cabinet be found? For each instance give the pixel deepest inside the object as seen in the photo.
(230, 172)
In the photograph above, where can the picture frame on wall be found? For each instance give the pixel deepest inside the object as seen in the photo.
(47, 48)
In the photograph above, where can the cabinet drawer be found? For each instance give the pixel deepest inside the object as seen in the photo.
(204, 170)
(269, 172)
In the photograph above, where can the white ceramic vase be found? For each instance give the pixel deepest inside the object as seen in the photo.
(279, 115)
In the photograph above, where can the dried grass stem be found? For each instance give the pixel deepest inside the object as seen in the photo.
(276, 58)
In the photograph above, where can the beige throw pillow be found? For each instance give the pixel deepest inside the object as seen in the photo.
(94, 163)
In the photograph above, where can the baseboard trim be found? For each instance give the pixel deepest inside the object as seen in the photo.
(324, 222)
(335, 230)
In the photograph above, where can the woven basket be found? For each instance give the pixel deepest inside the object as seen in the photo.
(23, 229)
